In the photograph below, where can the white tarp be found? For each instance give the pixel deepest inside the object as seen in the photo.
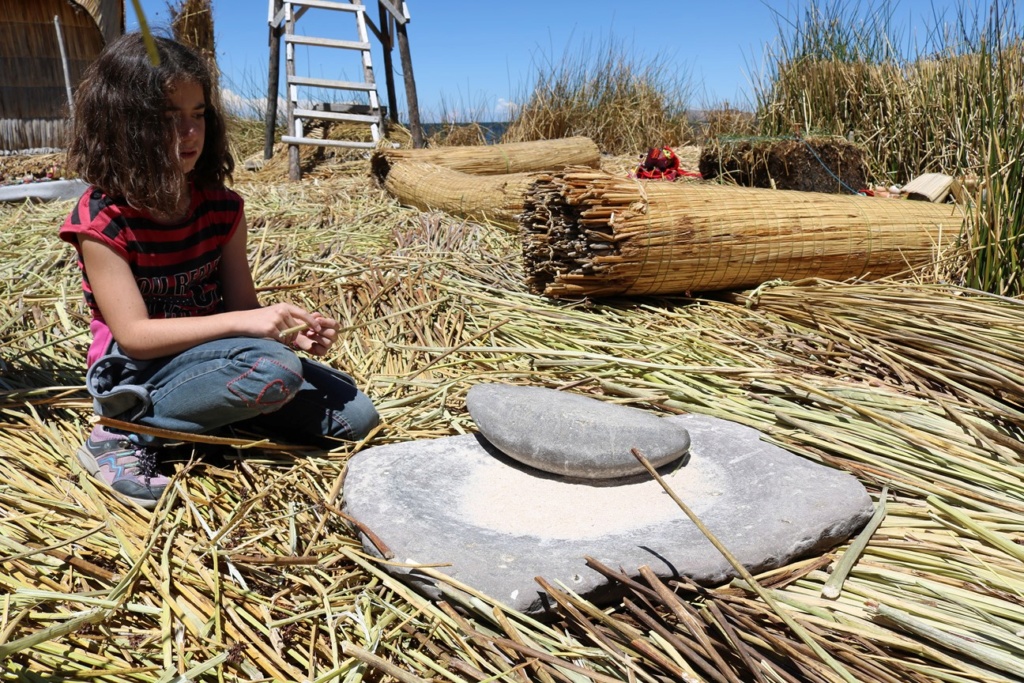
(43, 191)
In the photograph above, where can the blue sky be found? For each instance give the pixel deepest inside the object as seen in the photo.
(473, 58)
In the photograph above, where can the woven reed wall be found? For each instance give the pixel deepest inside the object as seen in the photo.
(513, 157)
(33, 96)
(591, 234)
(496, 199)
(18, 135)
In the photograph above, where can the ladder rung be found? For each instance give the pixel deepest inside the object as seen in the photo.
(327, 42)
(328, 4)
(335, 116)
(292, 140)
(326, 83)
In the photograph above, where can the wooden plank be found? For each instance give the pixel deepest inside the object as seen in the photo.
(929, 187)
(294, 167)
(411, 99)
(329, 4)
(387, 44)
(347, 107)
(373, 28)
(400, 17)
(327, 83)
(273, 80)
(327, 42)
(335, 116)
(64, 63)
(368, 77)
(292, 140)
(964, 189)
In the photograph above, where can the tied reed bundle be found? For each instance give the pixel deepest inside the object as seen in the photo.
(513, 157)
(587, 233)
(496, 199)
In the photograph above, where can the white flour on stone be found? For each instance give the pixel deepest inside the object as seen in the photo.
(508, 500)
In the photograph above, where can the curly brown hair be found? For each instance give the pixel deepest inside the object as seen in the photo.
(121, 139)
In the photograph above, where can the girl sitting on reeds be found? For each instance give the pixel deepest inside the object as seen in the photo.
(180, 340)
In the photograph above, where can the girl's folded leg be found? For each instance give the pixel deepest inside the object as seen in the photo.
(198, 390)
(222, 382)
(329, 408)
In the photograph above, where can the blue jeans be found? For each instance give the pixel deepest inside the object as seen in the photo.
(258, 383)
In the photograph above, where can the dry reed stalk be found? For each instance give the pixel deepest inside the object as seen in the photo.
(501, 159)
(496, 199)
(590, 234)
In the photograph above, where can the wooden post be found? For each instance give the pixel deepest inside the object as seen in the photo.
(387, 40)
(410, 84)
(294, 167)
(270, 120)
(64, 63)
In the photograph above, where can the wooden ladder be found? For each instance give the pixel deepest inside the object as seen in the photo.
(291, 11)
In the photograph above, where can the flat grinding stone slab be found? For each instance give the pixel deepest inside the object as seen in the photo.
(573, 435)
(498, 524)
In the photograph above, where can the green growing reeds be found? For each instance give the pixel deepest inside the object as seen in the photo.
(601, 91)
(952, 105)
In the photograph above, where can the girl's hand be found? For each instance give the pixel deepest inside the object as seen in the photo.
(279, 322)
(317, 340)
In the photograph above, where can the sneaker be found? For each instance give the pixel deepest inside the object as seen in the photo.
(124, 466)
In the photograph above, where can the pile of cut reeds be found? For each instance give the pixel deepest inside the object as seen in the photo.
(501, 159)
(248, 571)
(587, 233)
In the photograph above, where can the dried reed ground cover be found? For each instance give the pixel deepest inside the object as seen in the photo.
(248, 572)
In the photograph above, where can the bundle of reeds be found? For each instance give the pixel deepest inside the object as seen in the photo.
(513, 157)
(496, 199)
(458, 135)
(591, 234)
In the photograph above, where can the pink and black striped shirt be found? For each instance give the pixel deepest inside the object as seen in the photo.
(176, 266)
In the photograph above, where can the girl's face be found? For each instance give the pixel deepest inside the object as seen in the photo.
(186, 108)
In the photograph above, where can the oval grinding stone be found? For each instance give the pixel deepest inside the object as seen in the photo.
(573, 435)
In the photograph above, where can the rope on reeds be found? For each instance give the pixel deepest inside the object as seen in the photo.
(586, 233)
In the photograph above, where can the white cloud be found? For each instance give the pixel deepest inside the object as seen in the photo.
(504, 109)
(249, 107)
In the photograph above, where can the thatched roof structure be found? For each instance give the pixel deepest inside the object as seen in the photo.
(33, 93)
